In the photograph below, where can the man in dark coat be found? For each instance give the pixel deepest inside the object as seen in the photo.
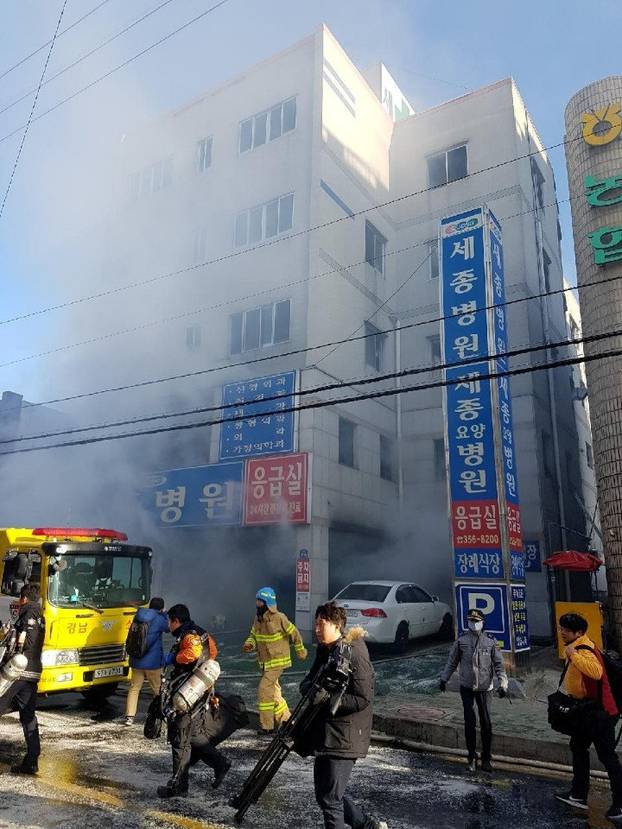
(188, 734)
(339, 739)
(23, 693)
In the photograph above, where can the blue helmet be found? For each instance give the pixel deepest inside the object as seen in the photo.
(267, 595)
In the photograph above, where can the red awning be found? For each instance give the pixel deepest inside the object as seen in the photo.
(573, 560)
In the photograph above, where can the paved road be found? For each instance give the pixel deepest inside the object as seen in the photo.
(98, 774)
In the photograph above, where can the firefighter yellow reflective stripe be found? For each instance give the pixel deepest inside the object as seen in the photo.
(269, 637)
(266, 706)
(281, 708)
(290, 628)
(279, 662)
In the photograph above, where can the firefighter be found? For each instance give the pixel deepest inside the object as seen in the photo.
(271, 634)
(186, 733)
(23, 693)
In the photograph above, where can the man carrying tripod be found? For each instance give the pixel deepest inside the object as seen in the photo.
(339, 739)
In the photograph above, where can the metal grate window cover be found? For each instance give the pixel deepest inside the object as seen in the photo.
(101, 653)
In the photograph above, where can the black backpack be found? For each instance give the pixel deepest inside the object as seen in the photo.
(136, 642)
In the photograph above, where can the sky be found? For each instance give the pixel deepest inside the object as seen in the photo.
(436, 50)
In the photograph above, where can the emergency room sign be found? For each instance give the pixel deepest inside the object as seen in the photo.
(277, 490)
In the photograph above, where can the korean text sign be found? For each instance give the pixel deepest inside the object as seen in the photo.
(258, 432)
(277, 489)
(197, 496)
(303, 581)
(474, 499)
(492, 601)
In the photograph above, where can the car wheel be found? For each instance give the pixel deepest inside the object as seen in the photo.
(446, 630)
(98, 694)
(402, 635)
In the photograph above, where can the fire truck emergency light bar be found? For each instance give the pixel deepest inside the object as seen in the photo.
(76, 532)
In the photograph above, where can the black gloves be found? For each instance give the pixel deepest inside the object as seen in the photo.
(442, 685)
(502, 692)
(321, 696)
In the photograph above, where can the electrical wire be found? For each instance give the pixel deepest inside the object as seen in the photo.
(47, 43)
(87, 55)
(525, 348)
(372, 395)
(118, 67)
(32, 109)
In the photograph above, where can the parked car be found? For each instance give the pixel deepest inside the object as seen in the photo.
(393, 612)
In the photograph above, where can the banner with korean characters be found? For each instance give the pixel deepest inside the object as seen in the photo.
(303, 581)
(474, 502)
(278, 490)
(265, 426)
(196, 496)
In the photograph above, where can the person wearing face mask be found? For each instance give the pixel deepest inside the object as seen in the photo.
(271, 634)
(479, 660)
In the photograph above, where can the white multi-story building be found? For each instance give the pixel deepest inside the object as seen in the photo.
(315, 192)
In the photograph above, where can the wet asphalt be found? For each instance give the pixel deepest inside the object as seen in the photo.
(99, 774)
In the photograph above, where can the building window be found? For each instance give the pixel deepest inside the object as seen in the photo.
(151, 179)
(387, 458)
(439, 460)
(204, 154)
(447, 166)
(260, 327)
(264, 221)
(346, 442)
(268, 125)
(193, 337)
(589, 455)
(433, 248)
(546, 268)
(199, 245)
(374, 346)
(375, 247)
(434, 343)
(538, 183)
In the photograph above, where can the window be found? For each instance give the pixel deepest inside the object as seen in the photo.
(448, 166)
(404, 594)
(439, 459)
(199, 245)
(346, 442)
(153, 178)
(193, 337)
(364, 592)
(433, 248)
(387, 458)
(204, 154)
(419, 596)
(375, 247)
(589, 455)
(538, 182)
(434, 343)
(265, 221)
(546, 268)
(260, 327)
(268, 125)
(374, 346)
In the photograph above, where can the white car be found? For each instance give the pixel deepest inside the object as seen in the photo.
(393, 612)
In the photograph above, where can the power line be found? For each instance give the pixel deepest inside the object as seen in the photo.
(47, 43)
(297, 351)
(352, 382)
(120, 66)
(32, 109)
(195, 311)
(529, 369)
(87, 55)
(271, 242)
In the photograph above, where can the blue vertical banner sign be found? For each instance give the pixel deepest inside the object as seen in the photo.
(484, 508)
(264, 427)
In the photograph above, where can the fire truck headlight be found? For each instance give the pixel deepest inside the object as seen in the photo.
(52, 658)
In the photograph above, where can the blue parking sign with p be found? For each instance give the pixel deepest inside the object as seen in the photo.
(492, 600)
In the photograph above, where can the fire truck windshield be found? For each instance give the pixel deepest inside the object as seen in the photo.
(101, 580)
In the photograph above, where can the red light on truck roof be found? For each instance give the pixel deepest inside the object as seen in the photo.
(73, 532)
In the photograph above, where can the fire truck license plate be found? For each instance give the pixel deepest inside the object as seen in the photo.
(102, 672)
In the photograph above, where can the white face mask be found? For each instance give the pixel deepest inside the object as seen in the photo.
(476, 627)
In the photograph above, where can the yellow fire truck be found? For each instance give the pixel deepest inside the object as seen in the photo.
(92, 582)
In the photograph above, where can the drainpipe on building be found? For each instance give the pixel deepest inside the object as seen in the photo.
(398, 409)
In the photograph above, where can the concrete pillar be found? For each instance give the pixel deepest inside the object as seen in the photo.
(314, 538)
(601, 306)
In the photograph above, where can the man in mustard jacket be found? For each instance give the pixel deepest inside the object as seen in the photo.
(271, 634)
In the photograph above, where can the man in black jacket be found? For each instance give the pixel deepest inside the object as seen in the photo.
(23, 693)
(339, 739)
